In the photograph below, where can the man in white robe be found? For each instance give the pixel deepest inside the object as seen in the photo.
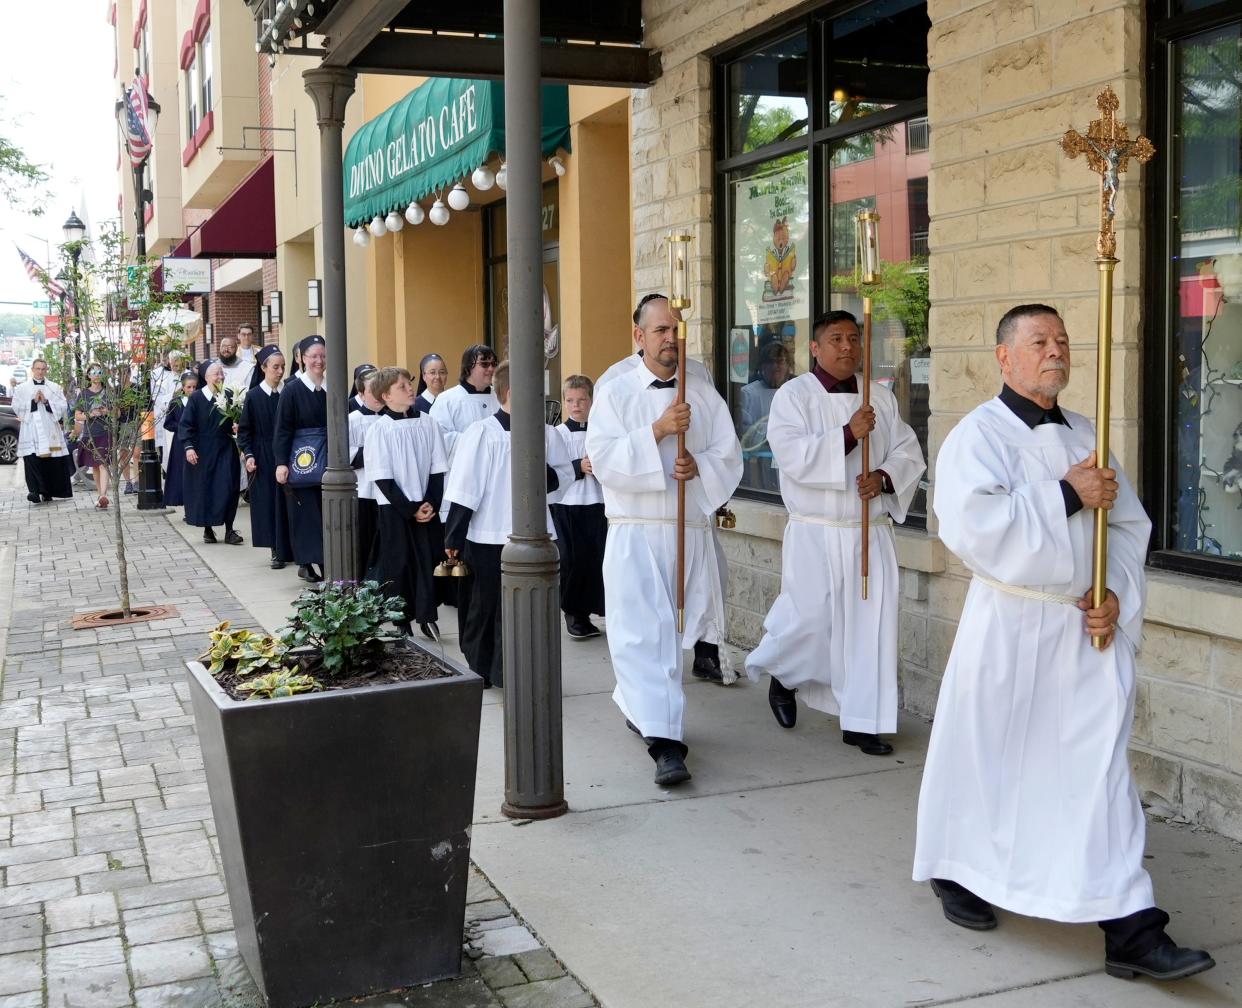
(39, 404)
(470, 400)
(165, 386)
(1027, 800)
(632, 444)
(821, 636)
(706, 654)
(237, 372)
(246, 349)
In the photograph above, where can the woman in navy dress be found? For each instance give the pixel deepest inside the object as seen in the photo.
(213, 469)
(174, 481)
(303, 406)
(269, 525)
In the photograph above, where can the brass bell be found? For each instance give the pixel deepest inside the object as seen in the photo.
(443, 569)
(725, 518)
(460, 569)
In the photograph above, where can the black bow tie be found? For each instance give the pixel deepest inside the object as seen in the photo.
(671, 383)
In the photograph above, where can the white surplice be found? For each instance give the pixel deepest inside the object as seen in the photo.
(41, 433)
(457, 409)
(479, 478)
(581, 491)
(820, 637)
(360, 425)
(640, 560)
(407, 451)
(1027, 798)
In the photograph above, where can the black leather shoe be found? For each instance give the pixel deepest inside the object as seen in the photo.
(233, 538)
(963, 907)
(430, 630)
(313, 574)
(47, 499)
(782, 702)
(580, 628)
(872, 745)
(277, 563)
(209, 535)
(33, 498)
(670, 767)
(1167, 961)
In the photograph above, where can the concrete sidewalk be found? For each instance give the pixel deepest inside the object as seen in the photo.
(779, 876)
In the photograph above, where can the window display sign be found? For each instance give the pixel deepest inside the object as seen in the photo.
(771, 217)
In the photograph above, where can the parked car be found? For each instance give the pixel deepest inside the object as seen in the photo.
(9, 428)
(19, 375)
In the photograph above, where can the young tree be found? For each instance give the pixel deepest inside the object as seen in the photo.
(121, 326)
(19, 177)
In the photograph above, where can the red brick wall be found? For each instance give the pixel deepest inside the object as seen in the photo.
(225, 310)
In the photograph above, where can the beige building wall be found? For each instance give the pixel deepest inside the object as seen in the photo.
(165, 227)
(1012, 221)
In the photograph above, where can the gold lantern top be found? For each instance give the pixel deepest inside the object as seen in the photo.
(867, 233)
(679, 271)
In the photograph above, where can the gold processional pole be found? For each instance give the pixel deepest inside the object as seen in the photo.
(679, 300)
(866, 227)
(1108, 148)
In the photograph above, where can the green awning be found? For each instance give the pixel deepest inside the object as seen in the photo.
(436, 136)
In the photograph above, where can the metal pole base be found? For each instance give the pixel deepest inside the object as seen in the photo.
(150, 490)
(534, 774)
(340, 524)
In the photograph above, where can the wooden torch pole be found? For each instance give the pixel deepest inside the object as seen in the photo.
(679, 301)
(867, 228)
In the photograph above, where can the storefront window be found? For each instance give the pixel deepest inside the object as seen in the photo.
(1204, 295)
(768, 95)
(790, 215)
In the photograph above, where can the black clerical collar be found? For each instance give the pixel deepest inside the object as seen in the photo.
(657, 383)
(832, 384)
(1029, 412)
(39, 381)
(363, 408)
(573, 425)
(471, 390)
(502, 418)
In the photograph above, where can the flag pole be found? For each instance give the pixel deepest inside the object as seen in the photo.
(1108, 148)
(679, 301)
(868, 245)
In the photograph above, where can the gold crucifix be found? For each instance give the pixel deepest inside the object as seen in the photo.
(1108, 148)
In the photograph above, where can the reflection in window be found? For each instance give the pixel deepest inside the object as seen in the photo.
(877, 59)
(1207, 271)
(768, 95)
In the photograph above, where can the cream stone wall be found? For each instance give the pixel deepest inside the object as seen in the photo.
(1013, 221)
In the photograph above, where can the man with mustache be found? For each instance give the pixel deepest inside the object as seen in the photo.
(822, 637)
(632, 444)
(1027, 800)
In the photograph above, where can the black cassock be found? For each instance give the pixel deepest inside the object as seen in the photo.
(297, 409)
(174, 481)
(269, 524)
(581, 534)
(211, 485)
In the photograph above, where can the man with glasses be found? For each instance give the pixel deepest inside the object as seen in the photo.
(471, 399)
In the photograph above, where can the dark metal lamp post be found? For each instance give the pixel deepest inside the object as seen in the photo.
(150, 490)
(74, 231)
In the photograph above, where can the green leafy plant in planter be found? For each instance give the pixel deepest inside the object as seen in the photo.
(278, 684)
(244, 652)
(344, 623)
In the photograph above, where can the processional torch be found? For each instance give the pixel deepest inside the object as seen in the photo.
(679, 301)
(1108, 148)
(867, 232)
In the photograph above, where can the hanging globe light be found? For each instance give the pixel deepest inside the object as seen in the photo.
(376, 227)
(558, 166)
(483, 178)
(415, 214)
(502, 176)
(361, 238)
(458, 198)
(394, 221)
(439, 213)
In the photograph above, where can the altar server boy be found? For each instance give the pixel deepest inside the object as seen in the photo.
(480, 519)
(581, 527)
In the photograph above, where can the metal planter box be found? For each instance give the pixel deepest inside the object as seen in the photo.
(344, 827)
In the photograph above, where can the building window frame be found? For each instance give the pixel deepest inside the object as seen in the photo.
(815, 143)
(202, 59)
(1170, 23)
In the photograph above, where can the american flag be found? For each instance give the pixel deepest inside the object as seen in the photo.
(137, 136)
(40, 276)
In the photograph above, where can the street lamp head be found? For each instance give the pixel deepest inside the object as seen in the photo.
(73, 228)
(153, 115)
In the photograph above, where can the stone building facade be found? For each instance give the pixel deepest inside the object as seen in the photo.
(1011, 221)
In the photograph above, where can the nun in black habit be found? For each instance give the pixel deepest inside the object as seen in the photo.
(174, 481)
(302, 416)
(357, 404)
(269, 525)
(213, 469)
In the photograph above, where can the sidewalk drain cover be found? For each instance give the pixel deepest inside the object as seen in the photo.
(100, 618)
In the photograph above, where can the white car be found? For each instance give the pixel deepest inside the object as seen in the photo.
(19, 374)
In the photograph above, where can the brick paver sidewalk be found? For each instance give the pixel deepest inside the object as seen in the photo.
(111, 891)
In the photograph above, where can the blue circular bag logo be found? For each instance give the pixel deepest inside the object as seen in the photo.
(304, 460)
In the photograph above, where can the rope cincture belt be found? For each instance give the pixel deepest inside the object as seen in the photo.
(879, 520)
(690, 522)
(1028, 593)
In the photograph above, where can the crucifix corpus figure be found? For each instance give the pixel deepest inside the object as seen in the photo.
(1108, 148)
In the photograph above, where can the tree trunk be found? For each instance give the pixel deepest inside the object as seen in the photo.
(122, 567)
